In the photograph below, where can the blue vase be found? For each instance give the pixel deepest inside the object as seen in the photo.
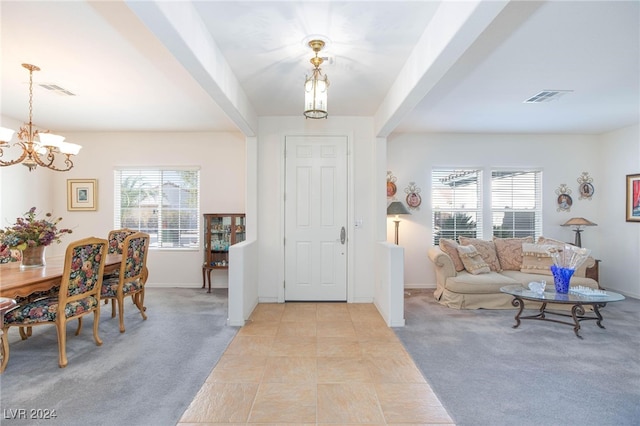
(561, 278)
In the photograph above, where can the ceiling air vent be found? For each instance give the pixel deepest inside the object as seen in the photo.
(546, 96)
(56, 89)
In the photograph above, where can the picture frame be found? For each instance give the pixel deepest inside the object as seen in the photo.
(82, 194)
(633, 198)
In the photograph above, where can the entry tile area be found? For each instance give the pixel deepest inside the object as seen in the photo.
(315, 364)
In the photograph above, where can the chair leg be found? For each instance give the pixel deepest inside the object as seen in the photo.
(61, 329)
(23, 333)
(79, 326)
(138, 302)
(96, 320)
(5, 349)
(113, 308)
(121, 313)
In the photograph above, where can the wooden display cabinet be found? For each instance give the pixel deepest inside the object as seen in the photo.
(220, 231)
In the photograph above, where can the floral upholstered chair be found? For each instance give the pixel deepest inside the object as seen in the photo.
(131, 277)
(79, 295)
(116, 241)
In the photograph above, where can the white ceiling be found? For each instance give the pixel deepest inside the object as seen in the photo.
(126, 79)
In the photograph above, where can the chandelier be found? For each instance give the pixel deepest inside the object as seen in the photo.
(41, 152)
(315, 86)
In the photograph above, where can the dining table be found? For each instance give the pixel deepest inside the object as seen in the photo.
(18, 282)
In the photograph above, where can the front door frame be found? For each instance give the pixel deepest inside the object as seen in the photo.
(350, 208)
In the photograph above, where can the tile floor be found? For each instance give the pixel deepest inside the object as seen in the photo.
(315, 363)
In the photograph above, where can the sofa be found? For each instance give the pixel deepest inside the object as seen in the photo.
(470, 271)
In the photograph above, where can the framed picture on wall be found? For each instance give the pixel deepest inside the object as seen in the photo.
(82, 194)
(633, 198)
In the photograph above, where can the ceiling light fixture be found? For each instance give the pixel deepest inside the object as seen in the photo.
(41, 152)
(315, 86)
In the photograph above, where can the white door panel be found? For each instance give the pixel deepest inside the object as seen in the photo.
(315, 213)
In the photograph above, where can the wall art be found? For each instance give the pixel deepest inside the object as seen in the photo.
(633, 198)
(82, 194)
(586, 188)
(413, 196)
(391, 184)
(564, 198)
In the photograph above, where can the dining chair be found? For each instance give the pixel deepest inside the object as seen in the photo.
(116, 241)
(79, 295)
(6, 304)
(131, 277)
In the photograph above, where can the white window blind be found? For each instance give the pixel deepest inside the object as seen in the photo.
(516, 203)
(163, 202)
(456, 200)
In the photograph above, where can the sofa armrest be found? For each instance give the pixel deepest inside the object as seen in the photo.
(582, 269)
(443, 267)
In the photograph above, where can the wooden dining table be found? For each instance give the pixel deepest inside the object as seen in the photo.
(17, 282)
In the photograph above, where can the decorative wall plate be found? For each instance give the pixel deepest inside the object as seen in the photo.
(413, 196)
(586, 187)
(564, 198)
(391, 184)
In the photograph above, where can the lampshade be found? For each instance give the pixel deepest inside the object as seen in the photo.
(397, 207)
(579, 221)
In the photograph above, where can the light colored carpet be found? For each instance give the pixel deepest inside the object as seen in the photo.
(487, 373)
(146, 376)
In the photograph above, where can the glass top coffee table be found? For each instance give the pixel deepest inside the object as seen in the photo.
(578, 301)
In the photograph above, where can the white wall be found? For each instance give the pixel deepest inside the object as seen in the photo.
(361, 199)
(221, 157)
(563, 158)
(619, 154)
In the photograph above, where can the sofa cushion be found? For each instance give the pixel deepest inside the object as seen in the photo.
(472, 261)
(488, 283)
(451, 248)
(536, 258)
(509, 251)
(486, 249)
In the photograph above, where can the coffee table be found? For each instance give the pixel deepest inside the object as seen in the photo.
(578, 302)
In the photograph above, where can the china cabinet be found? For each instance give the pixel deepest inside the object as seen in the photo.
(221, 230)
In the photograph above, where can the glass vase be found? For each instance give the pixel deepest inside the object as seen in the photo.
(561, 278)
(33, 257)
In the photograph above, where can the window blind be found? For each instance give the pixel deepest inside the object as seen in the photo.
(456, 200)
(516, 203)
(163, 202)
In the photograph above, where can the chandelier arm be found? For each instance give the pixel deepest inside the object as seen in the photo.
(51, 156)
(20, 159)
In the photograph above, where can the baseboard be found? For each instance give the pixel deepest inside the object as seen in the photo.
(420, 286)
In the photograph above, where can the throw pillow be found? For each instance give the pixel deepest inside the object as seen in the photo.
(472, 260)
(536, 258)
(486, 249)
(451, 248)
(544, 240)
(509, 251)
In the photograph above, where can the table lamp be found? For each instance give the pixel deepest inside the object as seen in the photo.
(396, 208)
(578, 223)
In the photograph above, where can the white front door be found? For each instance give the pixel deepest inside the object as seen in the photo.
(315, 218)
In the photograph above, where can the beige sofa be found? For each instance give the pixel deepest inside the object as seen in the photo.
(462, 289)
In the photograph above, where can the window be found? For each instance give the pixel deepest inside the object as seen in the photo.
(456, 199)
(516, 207)
(164, 203)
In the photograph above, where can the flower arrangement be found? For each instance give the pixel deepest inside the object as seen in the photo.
(565, 262)
(28, 231)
